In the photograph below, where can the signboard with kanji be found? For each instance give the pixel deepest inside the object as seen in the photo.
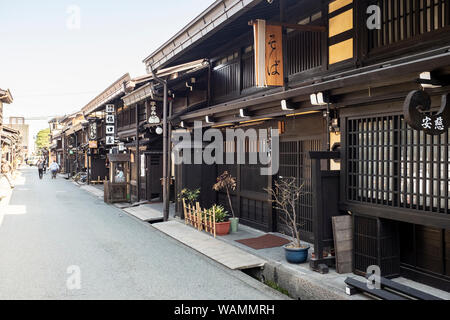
(93, 131)
(110, 140)
(417, 113)
(110, 130)
(110, 108)
(110, 119)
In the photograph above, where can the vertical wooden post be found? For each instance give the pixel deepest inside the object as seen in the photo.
(185, 213)
(214, 220)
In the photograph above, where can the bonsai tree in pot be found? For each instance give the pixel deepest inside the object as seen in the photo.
(228, 183)
(285, 194)
(222, 225)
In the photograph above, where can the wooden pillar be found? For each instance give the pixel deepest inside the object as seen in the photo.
(138, 156)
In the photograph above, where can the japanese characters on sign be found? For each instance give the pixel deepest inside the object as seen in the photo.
(110, 121)
(419, 102)
(93, 135)
(274, 56)
(154, 119)
(268, 54)
(110, 130)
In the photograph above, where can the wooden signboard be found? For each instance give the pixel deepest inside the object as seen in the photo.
(268, 54)
(343, 243)
(274, 56)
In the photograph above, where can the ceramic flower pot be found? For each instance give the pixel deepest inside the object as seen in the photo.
(296, 255)
(234, 225)
(223, 228)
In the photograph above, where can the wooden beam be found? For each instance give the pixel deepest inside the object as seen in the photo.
(294, 26)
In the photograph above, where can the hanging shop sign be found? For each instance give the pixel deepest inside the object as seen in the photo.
(268, 54)
(110, 119)
(111, 125)
(110, 108)
(110, 140)
(110, 130)
(417, 113)
(153, 119)
(93, 131)
(93, 144)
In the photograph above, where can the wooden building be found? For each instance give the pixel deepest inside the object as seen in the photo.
(140, 123)
(5, 98)
(341, 80)
(95, 113)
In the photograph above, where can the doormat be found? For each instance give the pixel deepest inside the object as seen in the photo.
(264, 242)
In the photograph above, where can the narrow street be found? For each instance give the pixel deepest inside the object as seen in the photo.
(50, 226)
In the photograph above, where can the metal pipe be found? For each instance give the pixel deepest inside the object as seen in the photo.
(165, 145)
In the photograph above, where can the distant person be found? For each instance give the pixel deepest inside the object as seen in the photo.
(54, 168)
(6, 172)
(40, 166)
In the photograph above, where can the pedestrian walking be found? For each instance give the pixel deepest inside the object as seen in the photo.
(54, 168)
(6, 170)
(40, 166)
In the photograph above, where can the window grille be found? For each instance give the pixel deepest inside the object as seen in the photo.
(389, 163)
(405, 19)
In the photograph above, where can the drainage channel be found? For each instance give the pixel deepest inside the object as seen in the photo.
(259, 274)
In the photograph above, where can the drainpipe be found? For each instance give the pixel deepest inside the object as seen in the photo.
(169, 155)
(165, 146)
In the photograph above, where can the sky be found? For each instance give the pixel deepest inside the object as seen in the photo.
(56, 56)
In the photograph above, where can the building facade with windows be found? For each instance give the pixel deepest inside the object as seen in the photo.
(339, 83)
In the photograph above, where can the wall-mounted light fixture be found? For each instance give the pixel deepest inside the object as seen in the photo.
(288, 105)
(244, 113)
(430, 80)
(320, 99)
(182, 124)
(159, 130)
(210, 120)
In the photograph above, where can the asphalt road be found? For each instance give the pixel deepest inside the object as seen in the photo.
(59, 242)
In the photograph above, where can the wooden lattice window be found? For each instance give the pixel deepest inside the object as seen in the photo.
(406, 19)
(389, 163)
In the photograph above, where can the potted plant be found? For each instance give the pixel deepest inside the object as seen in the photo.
(228, 183)
(222, 225)
(190, 196)
(285, 195)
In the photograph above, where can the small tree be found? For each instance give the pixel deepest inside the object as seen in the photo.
(190, 196)
(226, 182)
(285, 195)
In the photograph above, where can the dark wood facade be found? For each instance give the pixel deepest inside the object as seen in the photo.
(394, 180)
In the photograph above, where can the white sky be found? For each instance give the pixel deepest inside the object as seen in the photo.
(53, 70)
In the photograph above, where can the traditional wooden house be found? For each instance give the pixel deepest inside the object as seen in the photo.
(75, 143)
(5, 98)
(140, 124)
(340, 80)
(56, 141)
(95, 113)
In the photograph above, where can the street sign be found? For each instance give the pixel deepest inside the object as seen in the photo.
(110, 130)
(110, 108)
(110, 119)
(110, 140)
